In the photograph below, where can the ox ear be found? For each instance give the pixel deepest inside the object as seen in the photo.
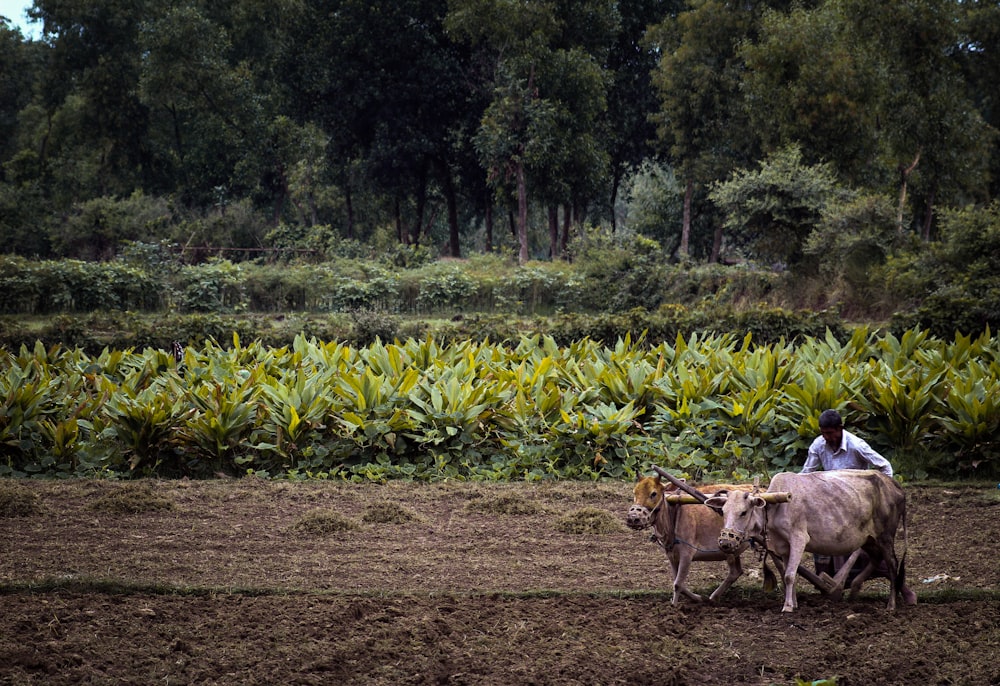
(718, 500)
(757, 501)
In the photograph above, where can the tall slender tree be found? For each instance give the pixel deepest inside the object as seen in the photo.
(517, 128)
(702, 124)
(632, 100)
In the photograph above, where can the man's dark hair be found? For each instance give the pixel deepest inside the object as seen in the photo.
(830, 419)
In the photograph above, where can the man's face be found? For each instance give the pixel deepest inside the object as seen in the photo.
(833, 436)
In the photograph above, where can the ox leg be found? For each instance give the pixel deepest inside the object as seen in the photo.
(899, 579)
(771, 581)
(791, 571)
(909, 596)
(882, 551)
(682, 565)
(735, 572)
(895, 582)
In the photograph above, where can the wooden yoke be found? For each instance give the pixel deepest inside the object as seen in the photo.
(695, 496)
(681, 499)
(776, 497)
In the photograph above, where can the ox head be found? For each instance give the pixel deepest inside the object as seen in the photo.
(742, 517)
(647, 499)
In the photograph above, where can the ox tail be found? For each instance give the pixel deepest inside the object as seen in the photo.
(901, 574)
(909, 597)
(770, 579)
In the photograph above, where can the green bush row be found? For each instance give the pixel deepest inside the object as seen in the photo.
(151, 281)
(94, 332)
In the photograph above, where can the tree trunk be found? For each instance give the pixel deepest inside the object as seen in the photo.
(716, 244)
(928, 216)
(553, 231)
(616, 180)
(282, 199)
(349, 202)
(904, 176)
(489, 226)
(454, 249)
(684, 249)
(522, 214)
(402, 235)
(418, 223)
(567, 224)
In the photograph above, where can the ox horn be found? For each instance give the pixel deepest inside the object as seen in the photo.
(776, 497)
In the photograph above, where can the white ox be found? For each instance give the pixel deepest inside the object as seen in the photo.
(685, 532)
(829, 513)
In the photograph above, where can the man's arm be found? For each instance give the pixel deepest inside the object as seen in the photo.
(869, 455)
(813, 463)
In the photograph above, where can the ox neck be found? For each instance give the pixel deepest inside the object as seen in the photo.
(664, 521)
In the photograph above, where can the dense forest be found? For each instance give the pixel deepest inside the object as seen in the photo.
(830, 138)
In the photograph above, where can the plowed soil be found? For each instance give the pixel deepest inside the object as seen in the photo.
(257, 582)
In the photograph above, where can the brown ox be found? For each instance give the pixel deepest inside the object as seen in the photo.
(685, 532)
(829, 513)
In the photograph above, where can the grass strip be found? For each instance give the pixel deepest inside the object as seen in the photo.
(82, 585)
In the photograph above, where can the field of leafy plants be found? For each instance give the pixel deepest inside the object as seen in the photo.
(708, 406)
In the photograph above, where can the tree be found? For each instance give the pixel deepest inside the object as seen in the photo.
(516, 132)
(20, 60)
(208, 121)
(979, 56)
(573, 172)
(770, 212)
(932, 132)
(90, 84)
(517, 128)
(632, 100)
(809, 82)
(393, 115)
(544, 126)
(701, 123)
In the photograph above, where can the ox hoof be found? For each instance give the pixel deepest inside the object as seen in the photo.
(909, 597)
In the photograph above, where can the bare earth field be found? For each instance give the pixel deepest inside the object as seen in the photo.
(255, 582)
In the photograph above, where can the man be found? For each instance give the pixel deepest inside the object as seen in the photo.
(839, 449)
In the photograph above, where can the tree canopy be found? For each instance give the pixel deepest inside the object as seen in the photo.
(431, 122)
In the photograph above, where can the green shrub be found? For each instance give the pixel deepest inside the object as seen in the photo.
(96, 229)
(952, 285)
(216, 286)
(370, 325)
